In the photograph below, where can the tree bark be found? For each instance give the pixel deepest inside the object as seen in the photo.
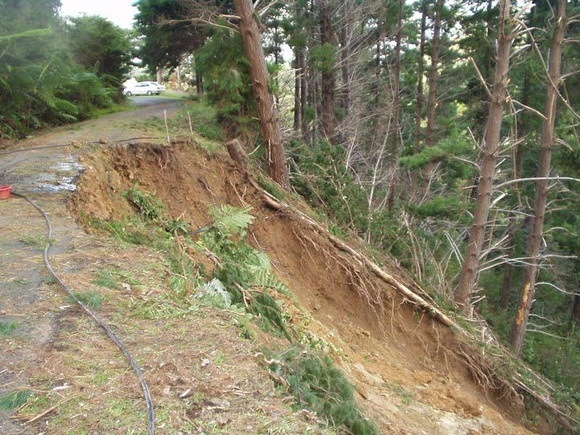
(396, 133)
(433, 72)
(267, 112)
(490, 147)
(576, 309)
(420, 71)
(298, 79)
(327, 80)
(547, 142)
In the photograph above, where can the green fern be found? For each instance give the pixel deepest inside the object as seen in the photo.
(243, 270)
(265, 279)
(234, 220)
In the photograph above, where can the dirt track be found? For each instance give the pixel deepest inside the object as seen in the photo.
(44, 168)
(407, 374)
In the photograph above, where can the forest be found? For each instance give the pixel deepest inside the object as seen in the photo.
(443, 133)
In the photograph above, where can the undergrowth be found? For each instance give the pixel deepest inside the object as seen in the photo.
(90, 299)
(319, 386)
(7, 328)
(241, 281)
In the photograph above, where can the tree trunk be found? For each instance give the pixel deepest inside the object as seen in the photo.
(506, 283)
(433, 72)
(267, 112)
(396, 133)
(327, 80)
(515, 227)
(576, 309)
(490, 147)
(547, 142)
(345, 52)
(303, 98)
(420, 71)
(298, 77)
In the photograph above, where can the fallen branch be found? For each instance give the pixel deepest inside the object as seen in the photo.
(566, 420)
(389, 279)
(46, 412)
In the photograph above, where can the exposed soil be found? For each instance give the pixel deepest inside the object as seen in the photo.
(412, 374)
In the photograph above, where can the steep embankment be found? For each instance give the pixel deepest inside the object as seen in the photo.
(412, 373)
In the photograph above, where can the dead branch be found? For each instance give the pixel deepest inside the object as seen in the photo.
(48, 411)
(392, 281)
(518, 180)
(481, 79)
(564, 419)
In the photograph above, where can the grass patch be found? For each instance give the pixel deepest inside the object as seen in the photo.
(406, 396)
(113, 279)
(204, 120)
(132, 231)
(91, 299)
(209, 145)
(106, 278)
(7, 328)
(36, 240)
(14, 399)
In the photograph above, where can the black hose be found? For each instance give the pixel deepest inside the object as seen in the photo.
(98, 321)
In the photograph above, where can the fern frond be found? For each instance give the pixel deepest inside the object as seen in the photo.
(32, 33)
(235, 220)
(266, 279)
(258, 260)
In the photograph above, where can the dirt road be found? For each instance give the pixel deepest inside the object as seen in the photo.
(44, 168)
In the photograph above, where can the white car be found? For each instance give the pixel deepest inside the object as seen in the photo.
(142, 88)
(161, 88)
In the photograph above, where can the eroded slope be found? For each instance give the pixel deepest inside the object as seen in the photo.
(410, 372)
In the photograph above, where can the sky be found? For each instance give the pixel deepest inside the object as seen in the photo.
(120, 12)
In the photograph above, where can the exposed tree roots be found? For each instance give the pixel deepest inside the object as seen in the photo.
(485, 368)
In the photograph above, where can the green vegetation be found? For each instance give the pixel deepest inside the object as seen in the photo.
(13, 400)
(145, 203)
(245, 272)
(222, 63)
(203, 118)
(318, 385)
(7, 328)
(52, 73)
(37, 241)
(113, 279)
(242, 282)
(106, 278)
(91, 299)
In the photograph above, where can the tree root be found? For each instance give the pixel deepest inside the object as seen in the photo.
(405, 291)
(506, 387)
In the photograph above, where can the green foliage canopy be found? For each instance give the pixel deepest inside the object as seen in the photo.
(40, 83)
(100, 47)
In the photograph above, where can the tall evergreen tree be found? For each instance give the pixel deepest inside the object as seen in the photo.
(490, 147)
(267, 112)
(101, 47)
(547, 142)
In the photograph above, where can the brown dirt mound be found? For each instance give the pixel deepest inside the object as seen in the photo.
(406, 367)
